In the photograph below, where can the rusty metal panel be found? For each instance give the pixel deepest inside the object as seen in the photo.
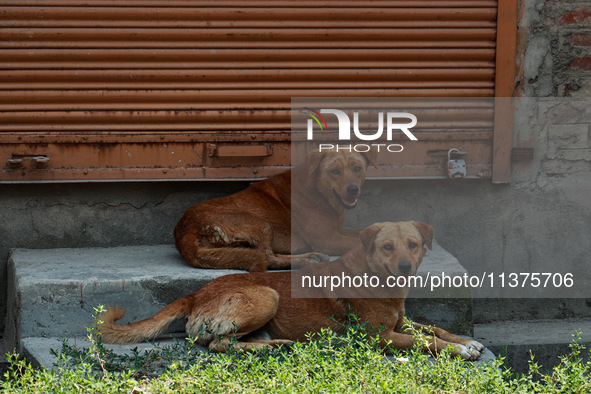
(505, 87)
(178, 157)
(192, 74)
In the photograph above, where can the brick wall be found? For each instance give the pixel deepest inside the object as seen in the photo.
(554, 61)
(554, 48)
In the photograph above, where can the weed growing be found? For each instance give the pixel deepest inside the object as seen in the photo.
(349, 362)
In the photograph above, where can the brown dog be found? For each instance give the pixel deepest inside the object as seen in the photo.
(238, 305)
(252, 229)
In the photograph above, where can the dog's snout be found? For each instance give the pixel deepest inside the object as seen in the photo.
(404, 267)
(352, 190)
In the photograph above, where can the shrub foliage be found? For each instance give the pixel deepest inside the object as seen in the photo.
(331, 363)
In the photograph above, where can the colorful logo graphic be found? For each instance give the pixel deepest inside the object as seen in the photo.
(392, 124)
(316, 116)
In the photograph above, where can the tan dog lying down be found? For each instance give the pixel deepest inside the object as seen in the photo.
(262, 302)
(252, 230)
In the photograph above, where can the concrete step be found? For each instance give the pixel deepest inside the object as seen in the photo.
(40, 351)
(488, 310)
(546, 339)
(52, 293)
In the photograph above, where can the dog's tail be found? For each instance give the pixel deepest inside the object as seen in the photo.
(149, 328)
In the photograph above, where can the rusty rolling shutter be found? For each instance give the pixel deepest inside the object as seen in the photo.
(143, 89)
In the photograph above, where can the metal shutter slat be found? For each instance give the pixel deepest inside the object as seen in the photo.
(221, 68)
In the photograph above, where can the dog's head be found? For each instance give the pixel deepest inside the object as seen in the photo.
(340, 175)
(396, 249)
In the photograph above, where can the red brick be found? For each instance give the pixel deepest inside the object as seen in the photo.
(583, 63)
(578, 16)
(581, 39)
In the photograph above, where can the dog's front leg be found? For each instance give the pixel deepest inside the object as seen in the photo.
(336, 244)
(291, 252)
(396, 340)
(295, 261)
(468, 349)
(431, 344)
(231, 342)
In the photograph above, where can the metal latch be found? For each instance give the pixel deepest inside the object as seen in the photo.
(456, 166)
(38, 161)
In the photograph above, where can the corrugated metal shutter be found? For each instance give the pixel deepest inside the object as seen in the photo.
(202, 75)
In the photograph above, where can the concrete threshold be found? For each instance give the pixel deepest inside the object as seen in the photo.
(545, 339)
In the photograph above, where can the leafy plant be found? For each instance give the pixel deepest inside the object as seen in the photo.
(328, 362)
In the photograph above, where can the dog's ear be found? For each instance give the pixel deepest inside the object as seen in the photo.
(368, 236)
(426, 232)
(372, 157)
(313, 160)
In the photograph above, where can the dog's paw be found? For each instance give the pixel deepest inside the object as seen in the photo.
(313, 258)
(473, 345)
(466, 353)
(320, 257)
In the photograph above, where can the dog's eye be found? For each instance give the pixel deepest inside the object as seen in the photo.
(389, 247)
(357, 169)
(336, 171)
(413, 245)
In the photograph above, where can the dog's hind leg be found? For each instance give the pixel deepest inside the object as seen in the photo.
(231, 248)
(237, 313)
(229, 257)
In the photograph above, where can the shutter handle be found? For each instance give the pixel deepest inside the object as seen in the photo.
(15, 163)
(41, 161)
(240, 150)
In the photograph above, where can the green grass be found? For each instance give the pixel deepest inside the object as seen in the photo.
(328, 363)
